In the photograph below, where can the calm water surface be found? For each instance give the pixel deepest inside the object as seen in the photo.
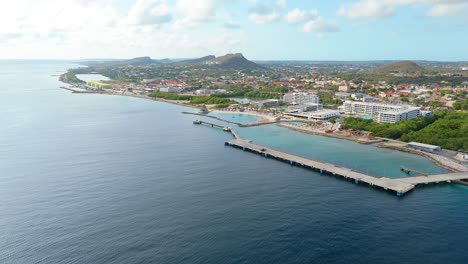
(109, 179)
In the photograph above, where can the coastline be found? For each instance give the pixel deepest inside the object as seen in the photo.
(361, 140)
(441, 161)
(149, 98)
(264, 117)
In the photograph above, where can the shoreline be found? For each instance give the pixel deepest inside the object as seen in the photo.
(264, 117)
(440, 161)
(360, 140)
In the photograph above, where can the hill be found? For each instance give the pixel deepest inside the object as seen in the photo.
(402, 67)
(134, 61)
(234, 61)
(198, 60)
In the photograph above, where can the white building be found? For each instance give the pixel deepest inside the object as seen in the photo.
(295, 108)
(386, 113)
(317, 115)
(323, 114)
(397, 116)
(169, 89)
(300, 98)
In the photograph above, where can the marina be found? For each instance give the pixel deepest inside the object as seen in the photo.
(399, 186)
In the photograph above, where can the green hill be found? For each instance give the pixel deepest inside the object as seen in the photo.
(235, 61)
(402, 67)
(134, 61)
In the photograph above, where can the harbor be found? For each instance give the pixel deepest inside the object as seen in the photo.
(398, 186)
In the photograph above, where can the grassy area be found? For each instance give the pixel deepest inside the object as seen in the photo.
(70, 77)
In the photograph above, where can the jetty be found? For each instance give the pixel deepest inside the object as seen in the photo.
(78, 90)
(227, 129)
(400, 186)
(258, 123)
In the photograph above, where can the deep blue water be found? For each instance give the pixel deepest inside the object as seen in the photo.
(108, 179)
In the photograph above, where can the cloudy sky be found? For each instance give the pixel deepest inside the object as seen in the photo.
(261, 29)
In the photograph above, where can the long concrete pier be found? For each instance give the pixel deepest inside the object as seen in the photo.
(400, 186)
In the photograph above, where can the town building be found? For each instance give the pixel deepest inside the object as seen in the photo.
(169, 89)
(300, 98)
(344, 88)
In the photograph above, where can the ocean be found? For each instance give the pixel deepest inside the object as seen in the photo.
(89, 178)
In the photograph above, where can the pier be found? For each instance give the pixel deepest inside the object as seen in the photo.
(399, 186)
(227, 129)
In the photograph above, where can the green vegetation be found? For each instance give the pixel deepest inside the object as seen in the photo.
(448, 130)
(461, 105)
(70, 77)
(195, 100)
(267, 92)
(327, 99)
(406, 67)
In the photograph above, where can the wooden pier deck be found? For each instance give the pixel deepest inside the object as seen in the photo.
(398, 185)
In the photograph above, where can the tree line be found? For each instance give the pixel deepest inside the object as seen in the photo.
(448, 130)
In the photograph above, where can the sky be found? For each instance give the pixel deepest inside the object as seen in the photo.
(260, 29)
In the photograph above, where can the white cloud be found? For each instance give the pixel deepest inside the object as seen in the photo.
(378, 9)
(149, 12)
(296, 15)
(232, 25)
(281, 3)
(263, 14)
(367, 9)
(442, 10)
(264, 18)
(199, 10)
(320, 25)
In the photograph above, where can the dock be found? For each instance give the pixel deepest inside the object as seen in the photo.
(77, 90)
(400, 186)
(227, 129)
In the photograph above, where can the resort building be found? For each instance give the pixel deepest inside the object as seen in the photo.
(300, 98)
(317, 115)
(386, 113)
(397, 116)
(295, 108)
(323, 114)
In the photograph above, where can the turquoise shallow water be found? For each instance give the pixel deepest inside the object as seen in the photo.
(109, 179)
(364, 158)
(239, 118)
